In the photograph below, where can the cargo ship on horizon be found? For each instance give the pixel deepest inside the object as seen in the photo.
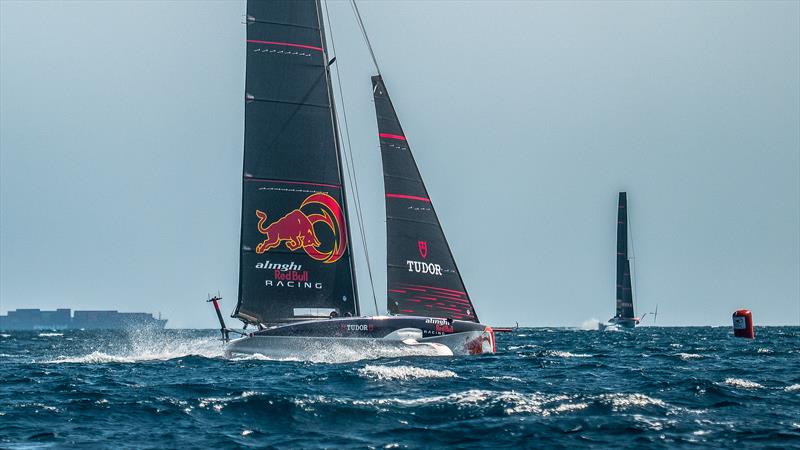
(64, 319)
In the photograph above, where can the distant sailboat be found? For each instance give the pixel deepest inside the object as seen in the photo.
(624, 316)
(297, 280)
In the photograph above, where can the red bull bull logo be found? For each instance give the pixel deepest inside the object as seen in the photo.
(296, 230)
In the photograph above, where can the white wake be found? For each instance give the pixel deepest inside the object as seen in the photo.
(390, 373)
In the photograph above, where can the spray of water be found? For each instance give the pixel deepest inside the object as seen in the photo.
(590, 325)
(146, 345)
(162, 345)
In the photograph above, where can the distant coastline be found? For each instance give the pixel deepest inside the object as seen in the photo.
(64, 319)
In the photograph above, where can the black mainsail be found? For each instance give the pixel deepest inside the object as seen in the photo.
(295, 259)
(422, 277)
(624, 292)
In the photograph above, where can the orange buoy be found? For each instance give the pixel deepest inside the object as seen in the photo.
(743, 324)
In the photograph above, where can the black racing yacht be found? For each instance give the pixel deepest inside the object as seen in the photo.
(297, 281)
(624, 317)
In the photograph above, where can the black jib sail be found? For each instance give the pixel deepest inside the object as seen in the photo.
(624, 292)
(422, 275)
(295, 245)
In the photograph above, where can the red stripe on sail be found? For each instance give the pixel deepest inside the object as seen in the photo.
(438, 288)
(408, 197)
(456, 300)
(285, 44)
(392, 136)
(449, 295)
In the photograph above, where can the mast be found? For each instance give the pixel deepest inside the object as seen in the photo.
(295, 259)
(422, 276)
(338, 143)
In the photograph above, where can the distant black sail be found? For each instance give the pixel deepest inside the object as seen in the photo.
(624, 292)
(295, 260)
(422, 275)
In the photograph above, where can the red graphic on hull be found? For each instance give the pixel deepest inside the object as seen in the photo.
(296, 229)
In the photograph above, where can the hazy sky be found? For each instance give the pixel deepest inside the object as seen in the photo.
(121, 152)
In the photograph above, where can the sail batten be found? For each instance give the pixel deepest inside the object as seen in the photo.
(295, 257)
(422, 276)
(284, 44)
(337, 186)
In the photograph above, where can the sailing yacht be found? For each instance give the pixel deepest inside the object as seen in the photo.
(624, 317)
(297, 281)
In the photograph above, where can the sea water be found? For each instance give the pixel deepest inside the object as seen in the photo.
(546, 388)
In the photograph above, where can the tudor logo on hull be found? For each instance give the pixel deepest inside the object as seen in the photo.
(356, 327)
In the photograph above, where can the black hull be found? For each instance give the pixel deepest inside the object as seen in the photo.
(441, 336)
(629, 323)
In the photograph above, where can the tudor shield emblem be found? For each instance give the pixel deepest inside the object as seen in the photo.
(423, 249)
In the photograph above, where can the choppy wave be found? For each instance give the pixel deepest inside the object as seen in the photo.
(95, 358)
(558, 388)
(403, 373)
(625, 401)
(504, 378)
(522, 347)
(547, 353)
(50, 334)
(740, 383)
(509, 402)
(218, 403)
(563, 354)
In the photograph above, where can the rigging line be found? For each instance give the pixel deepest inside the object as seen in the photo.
(351, 169)
(633, 251)
(364, 34)
(338, 148)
